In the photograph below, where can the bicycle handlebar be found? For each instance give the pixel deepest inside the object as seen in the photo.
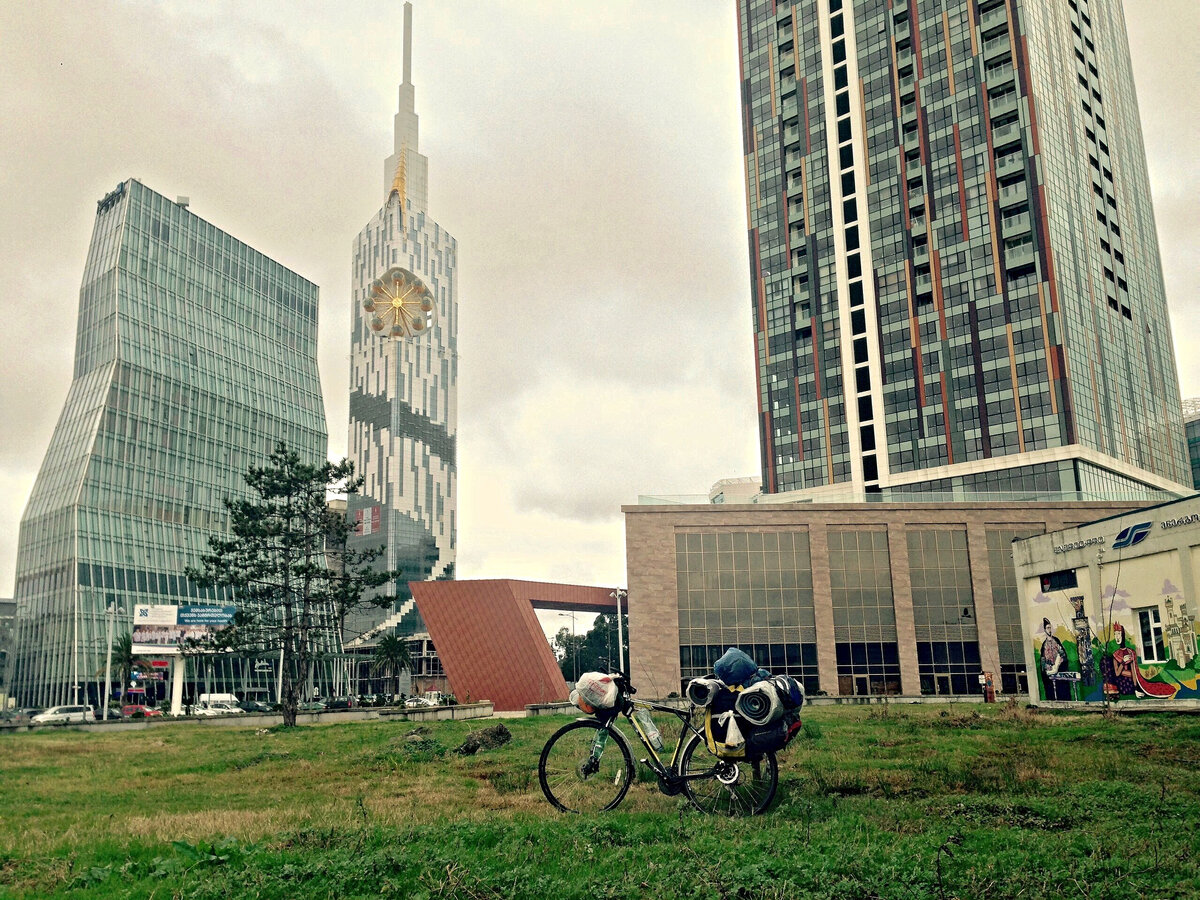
(623, 683)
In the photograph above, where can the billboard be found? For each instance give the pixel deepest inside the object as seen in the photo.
(161, 629)
(368, 521)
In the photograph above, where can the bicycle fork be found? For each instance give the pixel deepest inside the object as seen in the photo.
(591, 765)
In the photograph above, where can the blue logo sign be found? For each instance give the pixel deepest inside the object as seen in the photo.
(1132, 536)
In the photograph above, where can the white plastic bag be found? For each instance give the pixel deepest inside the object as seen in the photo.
(595, 689)
(734, 743)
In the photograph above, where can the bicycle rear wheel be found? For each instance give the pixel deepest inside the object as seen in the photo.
(573, 779)
(735, 787)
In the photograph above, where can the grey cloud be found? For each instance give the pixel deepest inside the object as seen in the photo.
(588, 159)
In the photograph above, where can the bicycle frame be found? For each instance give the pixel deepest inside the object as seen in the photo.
(667, 772)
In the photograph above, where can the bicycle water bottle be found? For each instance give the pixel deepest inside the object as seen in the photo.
(647, 722)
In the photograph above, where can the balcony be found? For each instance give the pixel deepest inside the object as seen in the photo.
(1007, 134)
(920, 255)
(999, 75)
(902, 31)
(1010, 164)
(789, 107)
(996, 47)
(993, 19)
(1019, 257)
(919, 226)
(1012, 194)
(1015, 225)
(1003, 103)
(913, 168)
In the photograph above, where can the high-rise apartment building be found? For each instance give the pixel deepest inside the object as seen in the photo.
(194, 355)
(1191, 431)
(956, 280)
(404, 388)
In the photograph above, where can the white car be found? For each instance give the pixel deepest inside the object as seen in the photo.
(58, 715)
(217, 709)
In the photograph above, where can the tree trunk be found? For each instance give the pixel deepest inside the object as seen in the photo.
(291, 702)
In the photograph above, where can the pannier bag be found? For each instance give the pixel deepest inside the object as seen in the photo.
(702, 691)
(768, 737)
(759, 705)
(594, 691)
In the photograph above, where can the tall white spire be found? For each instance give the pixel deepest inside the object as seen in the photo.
(407, 133)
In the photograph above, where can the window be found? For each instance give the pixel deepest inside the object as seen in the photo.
(1150, 626)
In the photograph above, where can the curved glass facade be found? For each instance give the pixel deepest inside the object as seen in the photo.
(195, 354)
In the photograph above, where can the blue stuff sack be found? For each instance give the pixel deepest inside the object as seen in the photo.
(736, 668)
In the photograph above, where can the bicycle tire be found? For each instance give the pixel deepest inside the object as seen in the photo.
(737, 787)
(561, 769)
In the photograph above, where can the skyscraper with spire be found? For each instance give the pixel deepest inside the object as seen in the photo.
(403, 380)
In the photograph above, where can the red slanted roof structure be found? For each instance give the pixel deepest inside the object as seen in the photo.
(490, 641)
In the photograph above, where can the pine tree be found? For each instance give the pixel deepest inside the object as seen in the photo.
(288, 597)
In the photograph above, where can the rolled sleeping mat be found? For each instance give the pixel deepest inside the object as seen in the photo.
(759, 704)
(701, 691)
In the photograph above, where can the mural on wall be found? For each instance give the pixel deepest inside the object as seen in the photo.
(1132, 645)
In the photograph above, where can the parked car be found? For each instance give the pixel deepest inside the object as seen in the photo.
(341, 703)
(312, 706)
(255, 706)
(60, 715)
(418, 703)
(139, 709)
(224, 708)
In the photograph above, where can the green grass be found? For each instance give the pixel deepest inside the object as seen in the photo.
(896, 802)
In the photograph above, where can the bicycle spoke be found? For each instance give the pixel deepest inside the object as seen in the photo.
(735, 788)
(578, 773)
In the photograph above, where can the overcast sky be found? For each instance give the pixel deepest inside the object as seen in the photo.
(586, 157)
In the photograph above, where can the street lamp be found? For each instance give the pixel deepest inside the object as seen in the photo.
(618, 595)
(112, 612)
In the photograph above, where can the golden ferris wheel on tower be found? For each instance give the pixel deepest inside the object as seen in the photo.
(401, 304)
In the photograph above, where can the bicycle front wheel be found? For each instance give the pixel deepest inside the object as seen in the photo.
(577, 779)
(733, 787)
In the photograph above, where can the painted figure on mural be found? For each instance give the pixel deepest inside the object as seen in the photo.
(1117, 667)
(1054, 660)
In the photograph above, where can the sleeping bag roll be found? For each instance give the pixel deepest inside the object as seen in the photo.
(700, 691)
(736, 668)
(759, 704)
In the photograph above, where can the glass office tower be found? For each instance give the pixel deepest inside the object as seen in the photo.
(194, 355)
(404, 390)
(956, 281)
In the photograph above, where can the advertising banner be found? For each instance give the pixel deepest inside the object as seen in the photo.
(159, 630)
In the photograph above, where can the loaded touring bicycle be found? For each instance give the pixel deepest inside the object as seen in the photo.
(724, 763)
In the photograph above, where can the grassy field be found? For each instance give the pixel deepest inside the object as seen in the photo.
(895, 802)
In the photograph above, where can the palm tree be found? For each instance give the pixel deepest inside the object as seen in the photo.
(124, 661)
(391, 656)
